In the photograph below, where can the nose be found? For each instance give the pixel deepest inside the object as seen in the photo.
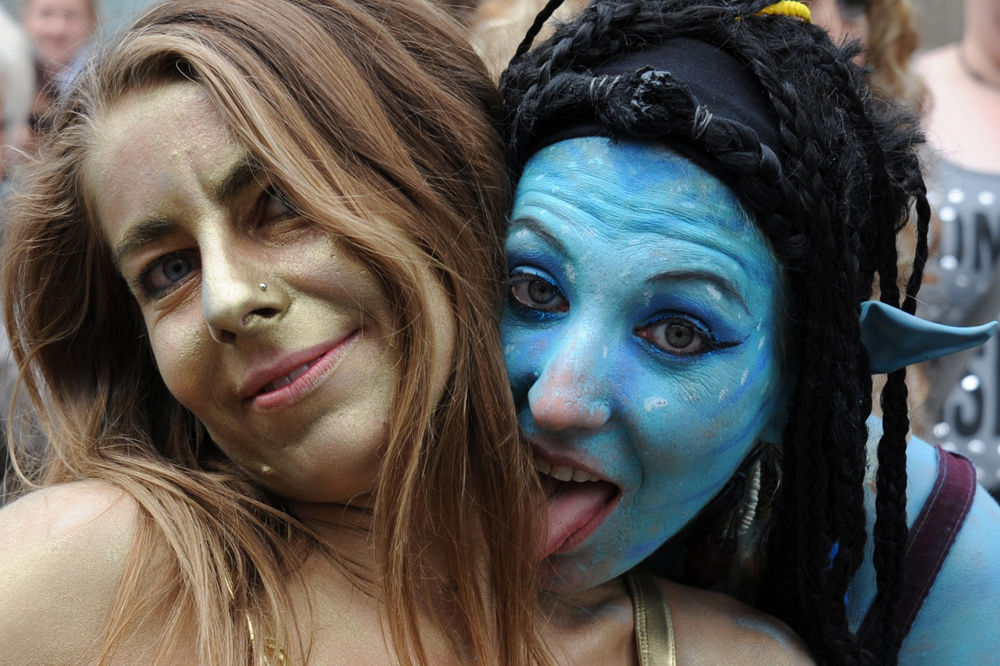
(60, 24)
(236, 299)
(575, 388)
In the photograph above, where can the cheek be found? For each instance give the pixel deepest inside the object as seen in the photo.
(523, 351)
(747, 399)
(703, 425)
(76, 33)
(860, 31)
(179, 347)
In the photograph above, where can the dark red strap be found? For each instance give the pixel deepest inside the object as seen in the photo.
(932, 536)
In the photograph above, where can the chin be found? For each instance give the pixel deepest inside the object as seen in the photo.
(572, 576)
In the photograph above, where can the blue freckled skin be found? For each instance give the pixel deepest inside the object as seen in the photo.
(627, 234)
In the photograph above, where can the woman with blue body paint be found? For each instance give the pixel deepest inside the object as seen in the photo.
(708, 193)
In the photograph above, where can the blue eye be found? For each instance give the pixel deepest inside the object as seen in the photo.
(531, 289)
(175, 268)
(167, 272)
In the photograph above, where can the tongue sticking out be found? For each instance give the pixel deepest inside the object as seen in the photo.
(572, 507)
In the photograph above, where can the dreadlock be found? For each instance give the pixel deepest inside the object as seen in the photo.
(831, 194)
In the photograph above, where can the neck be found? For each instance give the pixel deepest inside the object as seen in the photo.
(590, 626)
(979, 50)
(321, 516)
(343, 529)
(346, 533)
(567, 606)
(980, 67)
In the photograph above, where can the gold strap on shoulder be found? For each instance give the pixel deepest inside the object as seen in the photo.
(654, 632)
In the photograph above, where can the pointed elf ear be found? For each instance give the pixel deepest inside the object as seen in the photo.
(895, 339)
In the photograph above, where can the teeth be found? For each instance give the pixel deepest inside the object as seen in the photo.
(563, 472)
(297, 372)
(542, 466)
(289, 378)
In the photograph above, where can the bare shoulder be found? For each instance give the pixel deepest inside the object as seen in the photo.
(62, 554)
(66, 510)
(712, 628)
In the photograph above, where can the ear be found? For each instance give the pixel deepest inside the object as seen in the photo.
(775, 427)
(895, 339)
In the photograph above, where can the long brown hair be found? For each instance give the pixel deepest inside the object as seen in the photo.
(373, 105)
(892, 39)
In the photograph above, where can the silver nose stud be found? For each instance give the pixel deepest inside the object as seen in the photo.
(263, 287)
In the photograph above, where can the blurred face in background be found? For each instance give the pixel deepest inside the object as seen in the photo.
(3, 124)
(843, 19)
(3, 138)
(58, 28)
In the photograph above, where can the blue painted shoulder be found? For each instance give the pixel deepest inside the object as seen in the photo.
(959, 621)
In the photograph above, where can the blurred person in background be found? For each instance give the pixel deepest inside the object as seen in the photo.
(962, 283)
(39, 122)
(60, 31)
(884, 26)
(17, 83)
(461, 10)
(498, 26)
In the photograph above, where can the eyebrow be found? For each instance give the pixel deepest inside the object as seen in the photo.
(539, 229)
(144, 233)
(685, 275)
(245, 171)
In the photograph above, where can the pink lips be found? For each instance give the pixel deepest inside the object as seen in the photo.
(294, 376)
(575, 509)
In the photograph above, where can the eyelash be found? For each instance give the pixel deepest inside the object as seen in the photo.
(142, 282)
(710, 342)
(273, 195)
(270, 195)
(525, 276)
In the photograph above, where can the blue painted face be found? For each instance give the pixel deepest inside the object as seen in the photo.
(642, 340)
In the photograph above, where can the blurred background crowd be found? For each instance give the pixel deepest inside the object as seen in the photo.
(942, 56)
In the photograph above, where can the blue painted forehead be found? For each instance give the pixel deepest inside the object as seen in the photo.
(616, 168)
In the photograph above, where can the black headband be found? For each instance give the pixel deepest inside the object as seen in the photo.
(722, 86)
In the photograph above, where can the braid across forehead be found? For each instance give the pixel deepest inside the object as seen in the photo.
(829, 173)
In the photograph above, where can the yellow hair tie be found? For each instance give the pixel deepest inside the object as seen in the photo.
(788, 8)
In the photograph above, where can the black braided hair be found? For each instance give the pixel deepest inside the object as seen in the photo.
(831, 196)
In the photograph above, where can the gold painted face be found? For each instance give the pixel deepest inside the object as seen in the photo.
(261, 325)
